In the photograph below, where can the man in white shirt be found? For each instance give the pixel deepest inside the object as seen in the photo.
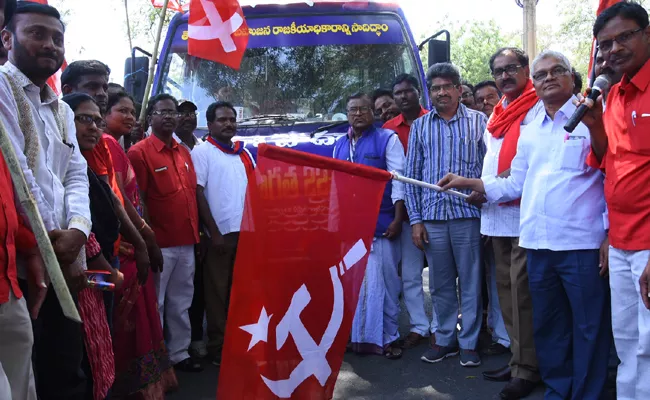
(507, 278)
(222, 172)
(42, 130)
(562, 207)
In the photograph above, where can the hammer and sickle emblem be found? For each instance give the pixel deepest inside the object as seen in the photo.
(314, 361)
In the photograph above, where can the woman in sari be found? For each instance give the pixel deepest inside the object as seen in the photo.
(98, 355)
(142, 366)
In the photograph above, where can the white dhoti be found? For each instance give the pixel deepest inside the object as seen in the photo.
(375, 322)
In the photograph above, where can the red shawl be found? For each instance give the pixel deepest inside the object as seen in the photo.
(237, 149)
(505, 124)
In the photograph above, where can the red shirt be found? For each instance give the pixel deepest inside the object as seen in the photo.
(399, 126)
(627, 162)
(13, 236)
(166, 177)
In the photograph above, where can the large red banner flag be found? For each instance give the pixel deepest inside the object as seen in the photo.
(54, 81)
(217, 31)
(602, 6)
(306, 234)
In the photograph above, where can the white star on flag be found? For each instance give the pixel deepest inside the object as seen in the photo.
(260, 330)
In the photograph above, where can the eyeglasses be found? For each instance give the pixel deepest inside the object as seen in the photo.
(607, 45)
(446, 87)
(466, 95)
(510, 70)
(89, 120)
(554, 72)
(173, 114)
(359, 110)
(188, 114)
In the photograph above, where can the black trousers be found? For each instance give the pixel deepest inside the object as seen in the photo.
(58, 352)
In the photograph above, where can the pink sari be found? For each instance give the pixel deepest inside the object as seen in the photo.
(142, 366)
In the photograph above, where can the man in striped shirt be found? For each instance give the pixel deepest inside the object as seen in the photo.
(449, 138)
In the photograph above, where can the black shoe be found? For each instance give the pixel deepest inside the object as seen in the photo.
(188, 365)
(517, 388)
(495, 349)
(498, 375)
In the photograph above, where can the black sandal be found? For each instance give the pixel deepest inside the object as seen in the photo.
(188, 365)
(393, 352)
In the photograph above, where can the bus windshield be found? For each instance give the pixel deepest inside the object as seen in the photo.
(293, 76)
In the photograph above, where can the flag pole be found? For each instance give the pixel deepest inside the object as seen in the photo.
(437, 188)
(152, 67)
(26, 199)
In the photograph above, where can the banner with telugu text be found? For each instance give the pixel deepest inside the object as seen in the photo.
(306, 234)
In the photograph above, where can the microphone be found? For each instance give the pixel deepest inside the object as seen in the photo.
(601, 84)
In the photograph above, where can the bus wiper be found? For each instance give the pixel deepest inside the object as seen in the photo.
(327, 127)
(269, 119)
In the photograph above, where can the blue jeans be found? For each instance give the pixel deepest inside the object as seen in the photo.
(454, 251)
(571, 322)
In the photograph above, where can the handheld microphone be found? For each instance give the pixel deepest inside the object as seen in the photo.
(601, 85)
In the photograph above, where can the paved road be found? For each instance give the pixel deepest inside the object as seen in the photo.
(373, 377)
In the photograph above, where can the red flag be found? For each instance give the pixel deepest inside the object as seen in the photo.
(217, 31)
(54, 81)
(602, 6)
(308, 225)
(172, 5)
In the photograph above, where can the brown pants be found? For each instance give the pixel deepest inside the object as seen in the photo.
(217, 280)
(516, 306)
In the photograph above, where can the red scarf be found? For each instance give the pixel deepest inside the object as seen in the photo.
(505, 124)
(237, 149)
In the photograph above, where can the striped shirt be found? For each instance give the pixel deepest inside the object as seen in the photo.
(437, 147)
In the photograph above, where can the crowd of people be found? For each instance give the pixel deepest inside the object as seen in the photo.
(552, 238)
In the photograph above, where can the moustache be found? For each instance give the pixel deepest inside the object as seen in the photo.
(509, 81)
(52, 56)
(443, 97)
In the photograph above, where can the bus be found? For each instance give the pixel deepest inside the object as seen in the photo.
(303, 59)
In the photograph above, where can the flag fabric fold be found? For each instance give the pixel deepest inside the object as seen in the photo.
(173, 5)
(307, 230)
(217, 31)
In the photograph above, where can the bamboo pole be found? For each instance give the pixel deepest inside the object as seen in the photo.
(437, 188)
(26, 199)
(128, 25)
(152, 67)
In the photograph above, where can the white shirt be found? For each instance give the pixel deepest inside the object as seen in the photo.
(197, 142)
(501, 220)
(395, 160)
(223, 177)
(60, 184)
(562, 200)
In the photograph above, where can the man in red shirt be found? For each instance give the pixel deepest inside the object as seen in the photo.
(620, 140)
(167, 183)
(406, 92)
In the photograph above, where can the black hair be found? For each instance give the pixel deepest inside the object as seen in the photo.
(158, 98)
(406, 78)
(444, 70)
(381, 93)
(74, 100)
(211, 113)
(577, 79)
(113, 85)
(358, 95)
(115, 97)
(75, 70)
(519, 53)
(469, 85)
(10, 10)
(29, 7)
(624, 9)
(483, 84)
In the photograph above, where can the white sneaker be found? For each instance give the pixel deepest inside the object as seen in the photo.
(199, 349)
